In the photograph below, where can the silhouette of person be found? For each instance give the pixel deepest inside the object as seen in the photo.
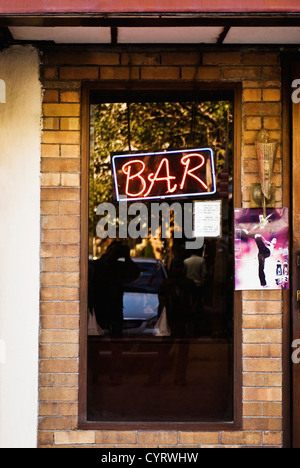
(196, 269)
(265, 250)
(177, 295)
(109, 274)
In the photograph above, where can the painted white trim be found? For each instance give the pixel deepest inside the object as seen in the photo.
(20, 141)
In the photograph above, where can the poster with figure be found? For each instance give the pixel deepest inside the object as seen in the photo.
(261, 249)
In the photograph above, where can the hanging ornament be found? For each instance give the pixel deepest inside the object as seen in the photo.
(266, 150)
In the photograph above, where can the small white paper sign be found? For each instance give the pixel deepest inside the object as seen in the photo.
(207, 219)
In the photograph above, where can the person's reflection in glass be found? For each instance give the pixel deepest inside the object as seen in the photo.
(196, 271)
(179, 296)
(109, 273)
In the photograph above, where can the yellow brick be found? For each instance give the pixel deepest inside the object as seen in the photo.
(69, 208)
(69, 294)
(61, 110)
(69, 264)
(74, 438)
(272, 409)
(67, 409)
(60, 308)
(49, 208)
(60, 194)
(272, 123)
(262, 109)
(253, 123)
(60, 165)
(252, 409)
(272, 351)
(272, 438)
(252, 94)
(59, 365)
(200, 73)
(60, 279)
(50, 180)
(262, 394)
(70, 123)
(79, 73)
(70, 96)
(59, 336)
(50, 151)
(206, 438)
(51, 95)
(70, 237)
(252, 321)
(60, 222)
(70, 151)
(58, 394)
(49, 294)
(241, 438)
(160, 73)
(57, 251)
(49, 264)
(180, 58)
(264, 307)
(61, 137)
(273, 380)
(241, 73)
(119, 73)
(159, 437)
(55, 423)
(261, 58)
(218, 58)
(70, 180)
(68, 351)
(115, 437)
(271, 95)
(271, 73)
(252, 350)
(50, 237)
(262, 336)
(51, 123)
(140, 59)
(272, 322)
(262, 365)
(69, 323)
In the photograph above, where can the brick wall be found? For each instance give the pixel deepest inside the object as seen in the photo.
(61, 73)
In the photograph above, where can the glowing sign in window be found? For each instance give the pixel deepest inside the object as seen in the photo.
(169, 174)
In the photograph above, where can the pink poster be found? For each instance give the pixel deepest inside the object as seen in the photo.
(261, 249)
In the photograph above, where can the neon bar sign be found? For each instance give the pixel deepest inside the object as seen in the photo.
(168, 174)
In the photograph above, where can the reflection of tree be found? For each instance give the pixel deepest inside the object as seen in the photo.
(121, 127)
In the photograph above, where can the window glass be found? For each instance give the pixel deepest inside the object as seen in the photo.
(160, 310)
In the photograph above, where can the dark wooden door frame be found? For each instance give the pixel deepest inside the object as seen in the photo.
(87, 88)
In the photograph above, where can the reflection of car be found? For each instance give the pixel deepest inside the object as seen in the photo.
(141, 297)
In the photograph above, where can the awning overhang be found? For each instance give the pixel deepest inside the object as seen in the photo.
(264, 22)
(147, 6)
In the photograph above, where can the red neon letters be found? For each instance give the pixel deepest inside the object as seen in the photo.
(135, 171)
(126, 169)
(186, 161)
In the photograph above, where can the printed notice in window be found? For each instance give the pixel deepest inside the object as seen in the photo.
(207, 219)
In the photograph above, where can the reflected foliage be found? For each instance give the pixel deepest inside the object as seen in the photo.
(135, 127)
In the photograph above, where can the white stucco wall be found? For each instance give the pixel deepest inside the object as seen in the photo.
(20, 137)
